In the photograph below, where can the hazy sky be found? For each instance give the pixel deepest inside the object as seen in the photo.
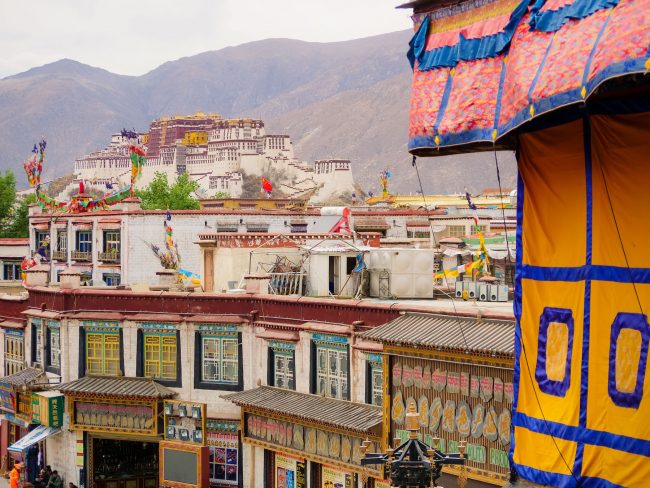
(133, 37)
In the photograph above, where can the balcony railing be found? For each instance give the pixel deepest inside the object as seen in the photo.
(60, 255)
(109, 257)
(286, 283)
(82, 256)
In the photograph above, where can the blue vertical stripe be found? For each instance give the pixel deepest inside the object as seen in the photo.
(444, 102)
(519, 257)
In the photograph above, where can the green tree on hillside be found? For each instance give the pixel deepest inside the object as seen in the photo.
(19, 224)
(162, 196)
(7, 199)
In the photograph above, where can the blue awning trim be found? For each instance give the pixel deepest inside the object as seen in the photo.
(464, 49)
(37, 435)
(553, 20)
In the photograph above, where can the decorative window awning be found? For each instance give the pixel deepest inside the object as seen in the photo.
(482, 68)
(39, 434)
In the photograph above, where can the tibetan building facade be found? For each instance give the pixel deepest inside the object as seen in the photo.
(564, 83)
(141, 383)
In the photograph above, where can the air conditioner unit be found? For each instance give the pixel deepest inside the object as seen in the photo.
(493, 293)
(470, 286)
(483, 292)
(459, 289)
(502, 294)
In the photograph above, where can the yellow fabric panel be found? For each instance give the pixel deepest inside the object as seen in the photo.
(552, 166)
(536, 296)
(607, 299)
(540, 452)
(615, 466)
(628, 354)
(621, 145)
(556, 352)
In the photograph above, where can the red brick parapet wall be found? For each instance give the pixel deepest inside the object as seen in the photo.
(266, 240)
(192, 306)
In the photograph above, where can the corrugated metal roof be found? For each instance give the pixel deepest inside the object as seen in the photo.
(448, 332)
(359, 417)
(24, 377)
(119, 386)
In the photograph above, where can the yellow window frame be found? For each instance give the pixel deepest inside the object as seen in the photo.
(103, 353)
(160, 356)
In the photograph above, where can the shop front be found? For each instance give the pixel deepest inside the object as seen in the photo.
(459, 373)
(310, 441)
(119, 418)
(16, 417)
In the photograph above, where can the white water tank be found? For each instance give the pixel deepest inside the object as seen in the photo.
(411, 271)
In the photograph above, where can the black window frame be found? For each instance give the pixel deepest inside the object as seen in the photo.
(313, 367)
(139, 368)
(48, 349)
(33, 347)
(272, 353)
(199, 384)
(370, 366)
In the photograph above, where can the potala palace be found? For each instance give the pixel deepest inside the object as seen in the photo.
(216, 153)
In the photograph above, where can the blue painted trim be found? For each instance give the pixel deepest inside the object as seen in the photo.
(475, 135)
(573, 433)
(466, 49)
(562, 316)
(553, 20)
(595, 272)
(632, 321)
(517, 301)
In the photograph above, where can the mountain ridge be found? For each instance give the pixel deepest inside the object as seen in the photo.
(346, 99)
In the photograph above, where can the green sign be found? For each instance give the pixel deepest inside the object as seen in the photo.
(47, 408)
(499, 458)
(476, 453)
(36, 409)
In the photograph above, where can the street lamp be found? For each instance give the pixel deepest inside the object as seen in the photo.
(413, 464)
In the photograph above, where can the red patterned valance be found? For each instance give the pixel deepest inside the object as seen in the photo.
(476, 102)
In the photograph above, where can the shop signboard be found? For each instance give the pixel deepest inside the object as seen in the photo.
(6, 397)
(465, 402)
(335, 478)
(185, 421)
(223, 441)
(24, 405)
(289, 471)
(47, 408)
(184, 465)
(316, 444)
(130, 417)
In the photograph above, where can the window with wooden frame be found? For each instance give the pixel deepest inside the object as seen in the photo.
(218, 358)
(53, 347)
(37, 342)
(160, 352)
(103, 353)
(374, 380)
(456, 230)
(282, 367)
(14, 352)
(330, 366)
